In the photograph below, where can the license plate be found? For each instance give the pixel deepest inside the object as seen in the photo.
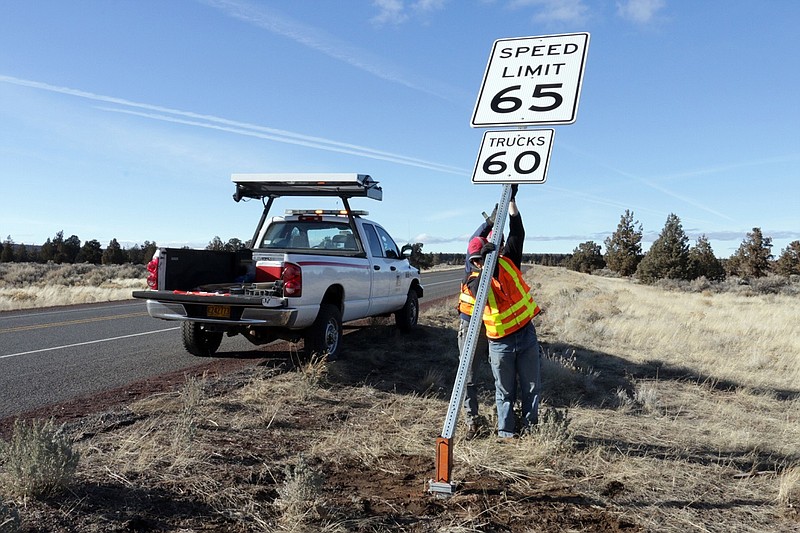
(218, 311)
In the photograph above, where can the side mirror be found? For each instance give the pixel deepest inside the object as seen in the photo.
(406, 250)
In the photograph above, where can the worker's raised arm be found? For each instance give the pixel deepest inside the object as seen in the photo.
(516, 232)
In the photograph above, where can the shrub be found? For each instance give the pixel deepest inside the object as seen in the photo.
(299, 495)
(586, 258)
(21, 274)
(553, 429)
(769, 284)
(38, 461)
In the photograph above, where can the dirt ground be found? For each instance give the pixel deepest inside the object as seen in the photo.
(355, 498)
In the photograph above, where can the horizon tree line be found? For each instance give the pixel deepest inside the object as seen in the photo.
(669, 257)
(69, 250)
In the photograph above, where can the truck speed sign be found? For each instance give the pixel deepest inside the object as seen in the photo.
(532, 80)
(514, 156)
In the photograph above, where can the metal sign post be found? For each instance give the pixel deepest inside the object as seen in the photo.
(442, 484)
(528, 80)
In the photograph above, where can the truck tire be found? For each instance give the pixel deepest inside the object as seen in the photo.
(324, 337)
(199, 341)
(406, 318)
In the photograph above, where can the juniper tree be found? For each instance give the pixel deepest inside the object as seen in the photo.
(91, 252)
(234, 245)
(623, 247)
(788, 262)
(418, 259)
(135, 255)
(69, 248)
(703, 262)
(21, 255)
(668, 257)
(113, 254)
(216, 244)
(148, 250)
(57, 253)
(586, 258)
(7, 251)
(47, 251)
(752, 258)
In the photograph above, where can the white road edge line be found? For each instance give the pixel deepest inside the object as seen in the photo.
(441, 282)
(87, 343)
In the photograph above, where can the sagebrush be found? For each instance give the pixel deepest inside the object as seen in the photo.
(38, 461)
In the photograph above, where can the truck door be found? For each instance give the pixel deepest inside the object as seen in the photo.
(387, 283)
(384, 274)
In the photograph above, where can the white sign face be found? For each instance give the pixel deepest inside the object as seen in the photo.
(532, 80)
(514, 156)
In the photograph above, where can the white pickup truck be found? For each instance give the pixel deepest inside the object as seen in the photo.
(304, 274)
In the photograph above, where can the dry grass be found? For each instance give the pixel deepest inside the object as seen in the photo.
(32, 285)
(753, 341)
(663, 411)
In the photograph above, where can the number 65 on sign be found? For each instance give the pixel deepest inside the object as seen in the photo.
(532, 80)
(514, 156)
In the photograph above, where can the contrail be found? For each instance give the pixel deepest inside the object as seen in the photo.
(319, 144)
(232, 126)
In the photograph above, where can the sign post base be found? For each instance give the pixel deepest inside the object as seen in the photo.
(441, 490)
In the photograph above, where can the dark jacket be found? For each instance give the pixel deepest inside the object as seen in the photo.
(511, 249)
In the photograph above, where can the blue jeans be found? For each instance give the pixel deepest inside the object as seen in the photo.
(516, 368)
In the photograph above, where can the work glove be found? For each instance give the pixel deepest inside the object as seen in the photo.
(487, 248)
(514, 188)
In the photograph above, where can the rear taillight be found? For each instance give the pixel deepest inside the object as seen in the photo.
(292, 280)
(152, 273)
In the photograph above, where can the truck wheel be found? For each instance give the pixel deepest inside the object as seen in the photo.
(199, 341)
(406, 318)
(324, 337)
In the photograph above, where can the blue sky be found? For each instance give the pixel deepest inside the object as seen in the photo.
(126, 119)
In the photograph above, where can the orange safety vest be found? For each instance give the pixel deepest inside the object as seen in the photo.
(509, 304)
(466, 301)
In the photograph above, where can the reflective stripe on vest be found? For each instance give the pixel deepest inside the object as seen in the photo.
(509, 304)
(466, 302)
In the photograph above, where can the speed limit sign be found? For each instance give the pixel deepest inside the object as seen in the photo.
(532, 80)
(514, 157)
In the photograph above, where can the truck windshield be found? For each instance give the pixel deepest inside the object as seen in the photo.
(309, 235)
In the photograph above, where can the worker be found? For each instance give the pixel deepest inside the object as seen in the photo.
(466, 303)
(507, 316)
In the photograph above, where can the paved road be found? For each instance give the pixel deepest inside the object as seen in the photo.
(52, 355)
